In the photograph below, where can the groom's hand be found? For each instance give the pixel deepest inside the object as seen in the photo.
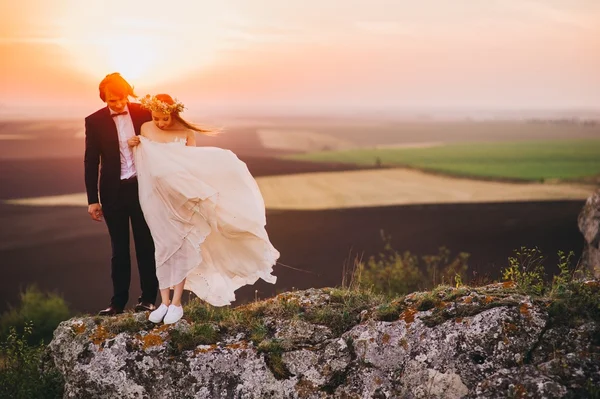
(95, 211)
(135, 140)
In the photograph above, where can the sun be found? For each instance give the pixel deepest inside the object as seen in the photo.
(133, 55)
(146, 45)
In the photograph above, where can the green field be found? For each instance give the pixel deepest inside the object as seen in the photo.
(529, 160)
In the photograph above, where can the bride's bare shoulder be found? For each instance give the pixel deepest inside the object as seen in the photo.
(147, 128)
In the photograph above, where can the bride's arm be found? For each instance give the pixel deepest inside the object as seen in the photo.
(191, 139)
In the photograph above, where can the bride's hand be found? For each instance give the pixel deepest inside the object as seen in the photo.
(135, 140)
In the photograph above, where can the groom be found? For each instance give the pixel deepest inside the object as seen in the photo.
(106, 133)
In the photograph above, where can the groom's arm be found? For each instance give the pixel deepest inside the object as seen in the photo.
(91, 162)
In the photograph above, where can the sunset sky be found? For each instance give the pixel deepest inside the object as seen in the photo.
(312, 55)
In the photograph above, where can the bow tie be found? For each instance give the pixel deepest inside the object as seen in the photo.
(118, 113)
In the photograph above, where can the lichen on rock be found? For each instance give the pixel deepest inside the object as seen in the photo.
(449, 343)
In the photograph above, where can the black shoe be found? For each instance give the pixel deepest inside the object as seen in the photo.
(144, 307)
(110, 311)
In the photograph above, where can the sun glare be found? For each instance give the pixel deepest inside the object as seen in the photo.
(133, 56)
(147, 44)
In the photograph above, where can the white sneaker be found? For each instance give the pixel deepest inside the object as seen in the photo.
(157, 315)
(174, 314)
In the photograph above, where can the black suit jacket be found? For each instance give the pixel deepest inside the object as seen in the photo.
(102, 149)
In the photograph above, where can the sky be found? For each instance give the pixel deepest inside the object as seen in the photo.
(304, 55)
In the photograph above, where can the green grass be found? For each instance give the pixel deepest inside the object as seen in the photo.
(528, 160)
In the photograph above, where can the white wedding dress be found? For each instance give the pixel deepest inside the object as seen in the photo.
(207, 218)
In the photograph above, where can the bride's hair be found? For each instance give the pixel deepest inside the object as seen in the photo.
(167, 99)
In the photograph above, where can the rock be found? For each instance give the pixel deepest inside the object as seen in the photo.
(295, 333)
(489, 342)
(519, 382)
(589, 225)
(452, 355)
(319, 367)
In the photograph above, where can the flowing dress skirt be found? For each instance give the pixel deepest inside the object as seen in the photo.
(207, 218)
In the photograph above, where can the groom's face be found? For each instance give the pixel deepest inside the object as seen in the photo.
(116, 102)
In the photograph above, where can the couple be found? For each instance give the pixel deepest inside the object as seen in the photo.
(196, 213)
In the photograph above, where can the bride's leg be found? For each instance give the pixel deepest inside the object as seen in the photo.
(164, 296)
(160, 313)
(175, 309)
(178, 293)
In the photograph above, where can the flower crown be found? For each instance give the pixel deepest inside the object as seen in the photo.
(154, 104)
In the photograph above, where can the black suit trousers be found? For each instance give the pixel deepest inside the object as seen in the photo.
(118, 215)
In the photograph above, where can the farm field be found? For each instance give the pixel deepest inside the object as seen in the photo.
(61, 250)
(527, 160)
(373, 133)
(398, 186)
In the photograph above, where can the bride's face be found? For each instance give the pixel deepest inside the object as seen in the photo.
(161, 120)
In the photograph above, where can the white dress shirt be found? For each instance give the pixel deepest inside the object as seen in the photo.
(126, 131)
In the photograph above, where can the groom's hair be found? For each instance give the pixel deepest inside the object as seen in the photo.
(115, 83)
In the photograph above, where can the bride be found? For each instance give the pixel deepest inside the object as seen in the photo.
(204, 209)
